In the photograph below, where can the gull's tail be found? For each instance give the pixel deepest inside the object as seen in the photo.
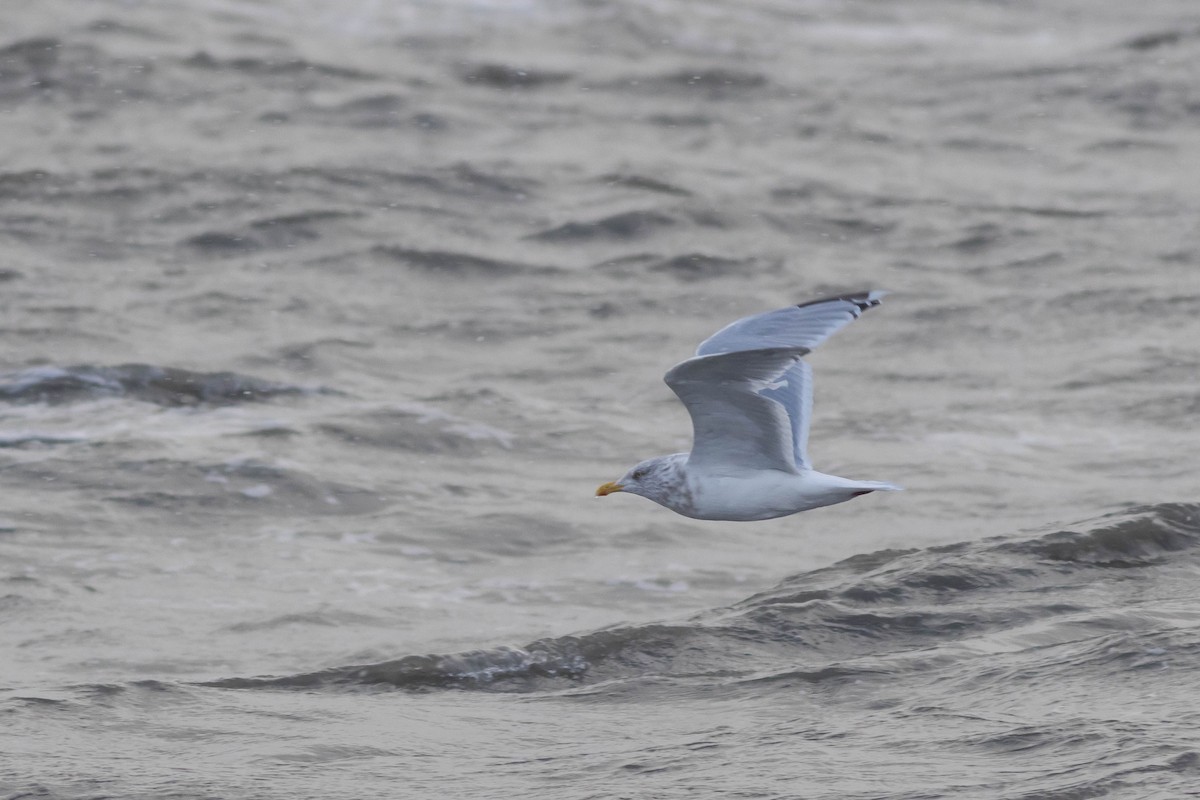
(866, 487)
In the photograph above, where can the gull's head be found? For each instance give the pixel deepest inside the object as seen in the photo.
(654, 479)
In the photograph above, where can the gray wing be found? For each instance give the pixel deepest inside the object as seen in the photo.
(734, 427)
(806, 326)
(794, 392)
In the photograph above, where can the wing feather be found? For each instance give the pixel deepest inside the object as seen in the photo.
(801, 326)
(794, 392)
(734, 426)
(805, 325)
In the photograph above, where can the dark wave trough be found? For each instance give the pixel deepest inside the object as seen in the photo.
(872, 615)
(166, 386)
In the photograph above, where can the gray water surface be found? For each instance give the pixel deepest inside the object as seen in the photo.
(322, 321)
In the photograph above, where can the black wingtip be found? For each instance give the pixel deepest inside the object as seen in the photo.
(864, 300)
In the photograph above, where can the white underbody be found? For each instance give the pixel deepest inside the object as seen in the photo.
(765, 494)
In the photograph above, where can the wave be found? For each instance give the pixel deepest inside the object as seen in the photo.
(458, 265)
(712, 83)
(876, 614)
(166, 386)
(509, 77)
(271, 67)
(178, 486)
(617, 227)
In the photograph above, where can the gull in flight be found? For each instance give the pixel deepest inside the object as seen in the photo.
(749, 395)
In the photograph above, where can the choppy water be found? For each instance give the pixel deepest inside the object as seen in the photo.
(322, 321)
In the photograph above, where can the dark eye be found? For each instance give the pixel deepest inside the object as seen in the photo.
(638, 474)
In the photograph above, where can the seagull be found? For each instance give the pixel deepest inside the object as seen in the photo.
(749, 395)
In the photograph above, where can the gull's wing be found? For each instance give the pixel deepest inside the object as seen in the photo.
(794, 391)
(734, 427)
(805, 326)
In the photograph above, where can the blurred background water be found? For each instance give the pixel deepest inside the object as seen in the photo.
(322, 321)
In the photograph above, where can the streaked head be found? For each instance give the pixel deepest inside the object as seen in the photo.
(654, 479)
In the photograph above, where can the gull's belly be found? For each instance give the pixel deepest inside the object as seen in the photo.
(763, 495)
